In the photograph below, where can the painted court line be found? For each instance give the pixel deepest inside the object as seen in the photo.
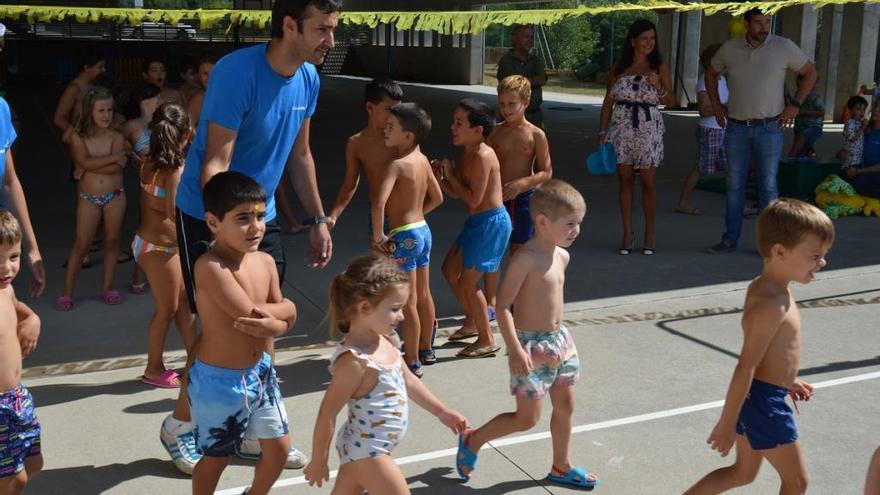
(602, 425)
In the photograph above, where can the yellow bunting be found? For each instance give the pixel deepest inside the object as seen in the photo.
(466, 22)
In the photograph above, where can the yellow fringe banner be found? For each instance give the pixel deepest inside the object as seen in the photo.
(466, 22)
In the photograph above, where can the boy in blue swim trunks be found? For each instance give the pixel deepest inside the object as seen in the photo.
(481, 243)
(233, 392)
(20, 458)
(793, 238)
(541, 354)
(524, 155)
(406, 193)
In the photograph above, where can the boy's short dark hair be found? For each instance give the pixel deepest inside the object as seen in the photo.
(153, 59)
(131, 104)
(854, 101)
(414, 119)
(10, 230)
(786, 221)
(380, 88)
(227, 190)
(296, 10)
(479, 114)
(89, 57)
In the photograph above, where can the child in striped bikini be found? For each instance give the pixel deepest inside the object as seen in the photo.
(155, 244)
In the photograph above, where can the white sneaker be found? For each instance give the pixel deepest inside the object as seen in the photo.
(181, 448)
(250, 449)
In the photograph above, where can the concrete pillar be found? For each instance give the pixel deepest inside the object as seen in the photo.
(799, 24)
(477, 47)
(858, 50)
(829, 56)
(667, 40)
(688, 58)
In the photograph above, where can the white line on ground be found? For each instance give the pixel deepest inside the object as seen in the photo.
(602, 425)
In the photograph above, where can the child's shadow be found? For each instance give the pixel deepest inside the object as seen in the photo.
(438, 480)
(54, 394)
(99, 479)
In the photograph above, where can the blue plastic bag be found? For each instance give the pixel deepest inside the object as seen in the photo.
(602, 161)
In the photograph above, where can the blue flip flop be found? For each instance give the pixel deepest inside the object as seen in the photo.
(464, 459)
(578, 476)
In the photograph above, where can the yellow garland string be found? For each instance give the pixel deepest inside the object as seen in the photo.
(466, 22)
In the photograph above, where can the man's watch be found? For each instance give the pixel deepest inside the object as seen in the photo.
(316, 220)
(795, 103)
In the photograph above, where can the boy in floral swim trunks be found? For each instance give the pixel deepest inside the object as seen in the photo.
(541, 353)
(20, 457)
(408, 191)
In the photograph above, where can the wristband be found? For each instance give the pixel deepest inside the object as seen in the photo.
(316, 220)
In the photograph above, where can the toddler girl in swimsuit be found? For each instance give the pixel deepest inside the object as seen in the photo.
(99, 156)
(369, 375)
(155, 243)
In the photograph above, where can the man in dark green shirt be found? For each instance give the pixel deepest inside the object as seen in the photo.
(521, 61)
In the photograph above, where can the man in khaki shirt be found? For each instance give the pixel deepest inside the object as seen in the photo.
(756, 66)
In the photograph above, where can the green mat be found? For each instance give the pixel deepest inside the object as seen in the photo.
(795, 179)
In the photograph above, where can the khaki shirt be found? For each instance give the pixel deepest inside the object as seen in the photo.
(756, 76)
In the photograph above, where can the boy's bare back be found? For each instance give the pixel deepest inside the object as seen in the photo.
(542, 287)
(517, 148)
(406, 201)
(367, 149)
(772, 326)
(482, 165)
(224, 293)
(10, 348)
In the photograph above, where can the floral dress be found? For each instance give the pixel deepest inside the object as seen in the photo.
(636, 129)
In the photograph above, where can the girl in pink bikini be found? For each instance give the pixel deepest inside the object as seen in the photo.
(99, 157)
(155, 244)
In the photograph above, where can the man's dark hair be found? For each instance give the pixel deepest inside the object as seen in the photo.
(414, 119)
(479, 114)
(296, 10)
(519, 27)
(89, 57)
(153, 59)
(131, 104)
(747, 15)
(227, 190)
(856, 100)
(380, 88)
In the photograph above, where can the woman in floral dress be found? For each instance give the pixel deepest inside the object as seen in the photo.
(631, 121)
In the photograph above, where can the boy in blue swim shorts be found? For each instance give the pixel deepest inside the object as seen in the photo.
(524, 155)
(233, 392)
(20, 457)
(793, 238)
(483, 239)
(406, 193)
(541, 353)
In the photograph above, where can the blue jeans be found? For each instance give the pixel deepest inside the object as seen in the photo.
(760, 144)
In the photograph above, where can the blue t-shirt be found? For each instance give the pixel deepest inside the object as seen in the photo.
(872, 148)
(264, 108)
(7, 135)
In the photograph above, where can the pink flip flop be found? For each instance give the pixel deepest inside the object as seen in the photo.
(165, 380)
(64, 303)
(112, 297)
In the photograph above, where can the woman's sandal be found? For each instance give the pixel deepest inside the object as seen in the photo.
(427, 356)
(578, 476)
(625, 251)
(465, 458)
(112, 297)
(64, 303)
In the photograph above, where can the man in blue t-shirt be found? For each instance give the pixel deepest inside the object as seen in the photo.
(255, 120)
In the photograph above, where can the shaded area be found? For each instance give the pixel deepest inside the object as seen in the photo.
(98, 479)
(95, 331)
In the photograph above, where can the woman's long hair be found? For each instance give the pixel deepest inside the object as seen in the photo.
(635, 30)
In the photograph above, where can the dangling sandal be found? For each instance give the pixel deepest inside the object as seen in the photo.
(465, 458)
